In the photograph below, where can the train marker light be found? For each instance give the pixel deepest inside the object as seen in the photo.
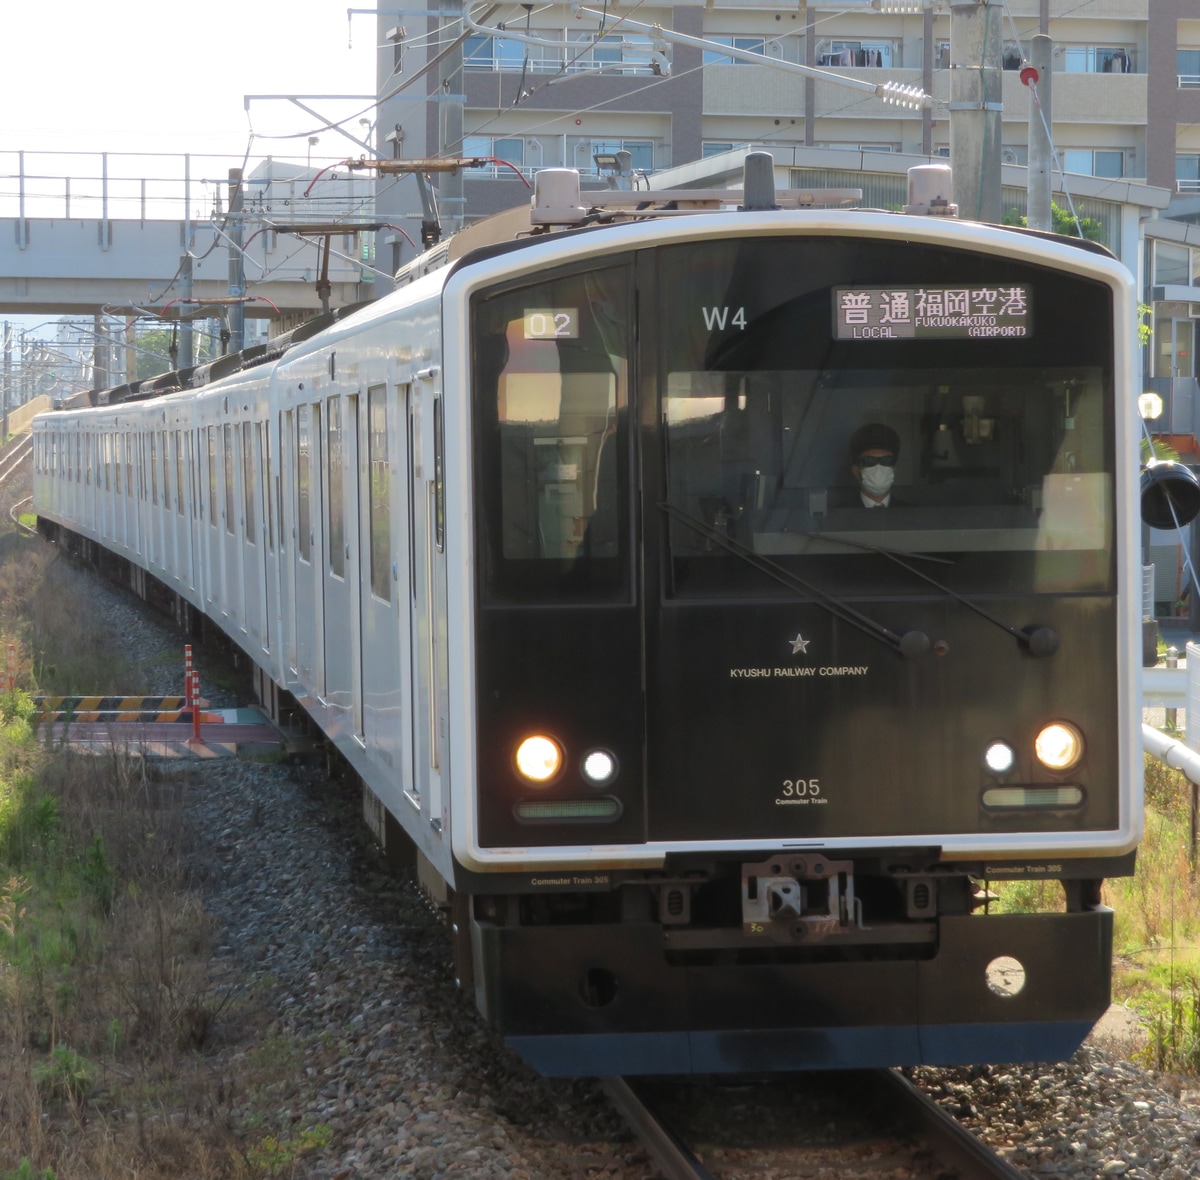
(539, 758)
(999, 757)
(599, 767)
(1059, 746)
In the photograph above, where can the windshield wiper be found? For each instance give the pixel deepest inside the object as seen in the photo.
(912, 644)
(1038, 641)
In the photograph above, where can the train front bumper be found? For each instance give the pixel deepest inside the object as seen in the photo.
(599, 1000)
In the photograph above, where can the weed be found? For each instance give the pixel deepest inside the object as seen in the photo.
(1174, 1044)
(270, 1156)
(65, 1076)
(24, 1171)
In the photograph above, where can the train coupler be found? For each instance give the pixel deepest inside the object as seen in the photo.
(799, 898)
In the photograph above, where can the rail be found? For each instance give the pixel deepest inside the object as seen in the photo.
(951, 1143)
(672, 1155)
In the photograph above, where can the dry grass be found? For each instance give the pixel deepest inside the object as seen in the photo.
(121, 1053)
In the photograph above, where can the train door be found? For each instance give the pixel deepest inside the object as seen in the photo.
(386, 684)
(424, 537)
(339, 607)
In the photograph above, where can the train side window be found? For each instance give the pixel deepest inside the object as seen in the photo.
(439, 494)
(212, 476)
(379, 501)
(228, 468)
(303, 483)
(263, 430)
(248, 483)
(336, 469)
(179, 469)
(118, 441)
(130, 488)
(154, 468)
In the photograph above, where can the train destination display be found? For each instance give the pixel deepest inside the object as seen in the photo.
(908, 313)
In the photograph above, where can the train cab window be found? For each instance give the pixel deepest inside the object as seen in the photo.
(992, 450)
(551, 391)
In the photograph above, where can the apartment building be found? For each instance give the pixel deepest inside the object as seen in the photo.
(558, 85)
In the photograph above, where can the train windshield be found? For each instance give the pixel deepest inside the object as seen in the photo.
(552, 369)
(821, 400)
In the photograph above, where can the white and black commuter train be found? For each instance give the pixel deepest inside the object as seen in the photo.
(562, 544)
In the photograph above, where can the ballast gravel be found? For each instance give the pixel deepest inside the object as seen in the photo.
(355, 973)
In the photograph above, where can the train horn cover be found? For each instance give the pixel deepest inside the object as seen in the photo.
(1170, 495)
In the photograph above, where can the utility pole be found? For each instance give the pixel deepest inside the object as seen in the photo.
(99, 353)
(237, 263)
(449, 106)
(1041, 152)
(7, 365)
(976, 47)
(187, 347)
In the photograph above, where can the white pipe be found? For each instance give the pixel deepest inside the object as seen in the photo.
(1171, 751)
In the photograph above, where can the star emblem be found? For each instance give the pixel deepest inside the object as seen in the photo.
(799, 645)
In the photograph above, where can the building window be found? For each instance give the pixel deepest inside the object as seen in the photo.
(503, 54)
(1187, 66)
(872, 54)
(1171, 265)
(1108, 164)
(641, 151)
(511, 150)
(711, 148)
(613, 53)
(1097, 59)
(1187, 172)
(749, 44)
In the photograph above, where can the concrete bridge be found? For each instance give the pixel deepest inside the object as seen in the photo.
(102, 238)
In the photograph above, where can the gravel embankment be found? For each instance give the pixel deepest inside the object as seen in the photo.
(354, 971)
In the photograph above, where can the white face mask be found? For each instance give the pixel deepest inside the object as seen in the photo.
(877, 480)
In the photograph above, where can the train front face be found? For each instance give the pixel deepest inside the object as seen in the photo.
(797, 620)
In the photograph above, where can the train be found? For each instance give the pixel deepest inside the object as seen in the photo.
(576, 547)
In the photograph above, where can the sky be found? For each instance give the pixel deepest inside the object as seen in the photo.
(161, 76)
(156, 76)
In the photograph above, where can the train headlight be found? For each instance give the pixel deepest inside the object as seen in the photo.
(1059, 746)
(999, 758)
(599, 767)
(539, 758)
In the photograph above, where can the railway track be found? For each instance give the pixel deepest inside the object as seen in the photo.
(938, 1145)
(10, 462)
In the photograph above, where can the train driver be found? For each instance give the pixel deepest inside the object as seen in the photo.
(874, 449)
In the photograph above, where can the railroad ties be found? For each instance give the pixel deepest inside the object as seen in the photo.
(159, 727)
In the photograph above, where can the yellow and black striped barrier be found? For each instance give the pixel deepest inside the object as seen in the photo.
(146, 709)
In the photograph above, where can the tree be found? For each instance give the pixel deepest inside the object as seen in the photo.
(1062, 222)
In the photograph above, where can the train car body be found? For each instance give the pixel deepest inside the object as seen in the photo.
(560, 546)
